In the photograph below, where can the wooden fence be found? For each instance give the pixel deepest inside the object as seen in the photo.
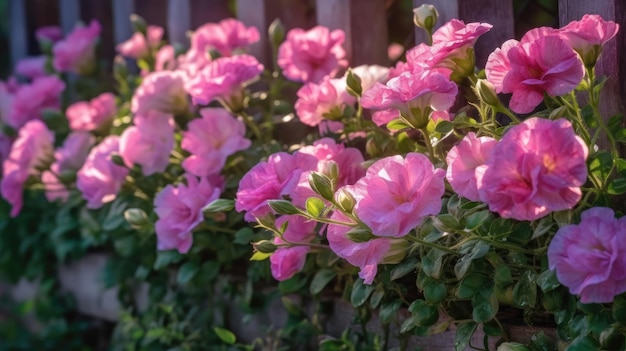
(364, 21)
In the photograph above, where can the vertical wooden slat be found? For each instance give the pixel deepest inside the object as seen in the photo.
(101, 11)
(69, 12)
(122, 29)
(39, 13)
(612, 63)
(153, 11)
(178, 21)
(253, 13)
(203, 11)
(17, 29)
(335, 14)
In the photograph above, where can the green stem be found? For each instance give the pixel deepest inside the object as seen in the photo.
(429, 244)
(594, 101)
(249, 121)
(429, 146)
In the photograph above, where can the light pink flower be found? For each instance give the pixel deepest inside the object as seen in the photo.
(370, 74)
(458, 34)
(166, 59)
(271, 180)
(365, 255)
(309, 56)
(325, 100)
(180, 211)
(162, 91)
(149, 142)
(224, 79)
(49, 33)
(226, 36)
(31, 151)
(211, 139)
(96, 114)
(588, 35)
(399, 193)
(348, 160)
(138, 47)
(498, 64)
(590, 258)
(537, 168)
(287, 261)
(75, 53)
(31, 99)
(99, 180)
(383, 117)
(31, 67)
(463, 159)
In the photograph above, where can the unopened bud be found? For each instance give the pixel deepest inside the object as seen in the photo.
(487, 93)
(67, 176)
(425, 17)
(139, 24)
(214, 54)
(136, 217)
(322, 185)
(120, 68)
(276, 33)
(264, 246)
(353, 83)
(345, 200)
(330, 170)
(117, 159)
(360, 235)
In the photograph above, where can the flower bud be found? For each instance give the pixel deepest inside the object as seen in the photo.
(353, 83)
(512, 346)
(360, 235)
(276, 32)
(425, 17)
(322, 185)
(283, 207)
(117, 159)
(136, 217)
(139, 24)
(264, 246)
(120, 69)
(330, 170)
(345, 200)
(487, 93)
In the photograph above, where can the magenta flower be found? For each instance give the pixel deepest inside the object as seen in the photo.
(498, 64)
(325, 100)
(370, 74)
(138, 47)
(75, 53)
(463, 160)
(537, 168)
(287, 261)
(162, 91)
(99, 180)
(271, 180)
(224, 79)
(180, 211)
(588, 35)
(149, 142)
(590, 258)
(365, 255)
(165, 59)
(399, 193)
(349, 160)
(31, 99)
(31, 151)
(31, 67)
(211, 139)
(49, 33)
(309, 56)
(97, 114)
(226, 37)
(458, 34)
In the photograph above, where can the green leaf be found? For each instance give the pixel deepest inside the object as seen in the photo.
(377, 296)
(444, 127)
(321, 279)
(547, 281)
(165, 258)
(616, 128)
(225, 335)
(485, 306)
(283, 207)
(260, 256)
(435, 291)
(398, 124)
(388, 310)
(475, 220)
(525, 291)
(600, 164)
(583, 343)
(464, 332)
(472, 284)
(619, 309)
(446, 223)
(244, 236)
(617, 186)
(543, 226)
(186, 272)
(403, 268)
(314, 206)
(432, 263)
(219, 205)
(423, 313)
(360, 292)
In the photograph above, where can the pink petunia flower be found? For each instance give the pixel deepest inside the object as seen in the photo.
(463, 160)
(30, 100)
(138, 47)
(211, 139)
(537, 167)
(399, 193)
(271, 180)
(76, 52)
(149, 142)
(588, 35)
(226, 37)
(180, 211)
(224, 79)
(498, 64)
(165, 59)
(162, 91)
(31, 67)
(49, 33)
(326, 100)
(309, 56)
(370, 74)
(96, 114)
(590, 257)
(287, 261)
(31, 151)
(99, 179)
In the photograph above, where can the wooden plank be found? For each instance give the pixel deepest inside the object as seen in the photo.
(204, 11)
(122, 28)
(369, 37)
(153, 11)
(178, 21)
(100, 10)
(17, 27)
(336, 14)
(39, 13)
(69, 12)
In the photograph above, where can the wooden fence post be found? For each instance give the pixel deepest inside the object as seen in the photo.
(178, 21)
(153, 11)
(203, 11)
(102, 11)
(122, 28)
(69, 13)
(365, 25)
(498, 13)
(18, 37)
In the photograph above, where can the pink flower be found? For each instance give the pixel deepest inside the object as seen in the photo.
(588, 35)
(99, 180)
(370, 74)
(180, 211)
(149, 142)
(590, 258)
(348, 160)
(463, 159)
(540, 63)
(226, 36)
(287, 261)
(537, 168)
(162, 91)
(270, 180)
(224, 79)
(383, 117)
(309, 56)
(165, 59)
(75, 53)
(415, 95)
(365, 255)
(49, 33)
(96, 114)
(325, 100)
(31, 151)
(211, 139)
(458, 34)
(399, 193)
(31, 67)
(31, 99)
(138, 47)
